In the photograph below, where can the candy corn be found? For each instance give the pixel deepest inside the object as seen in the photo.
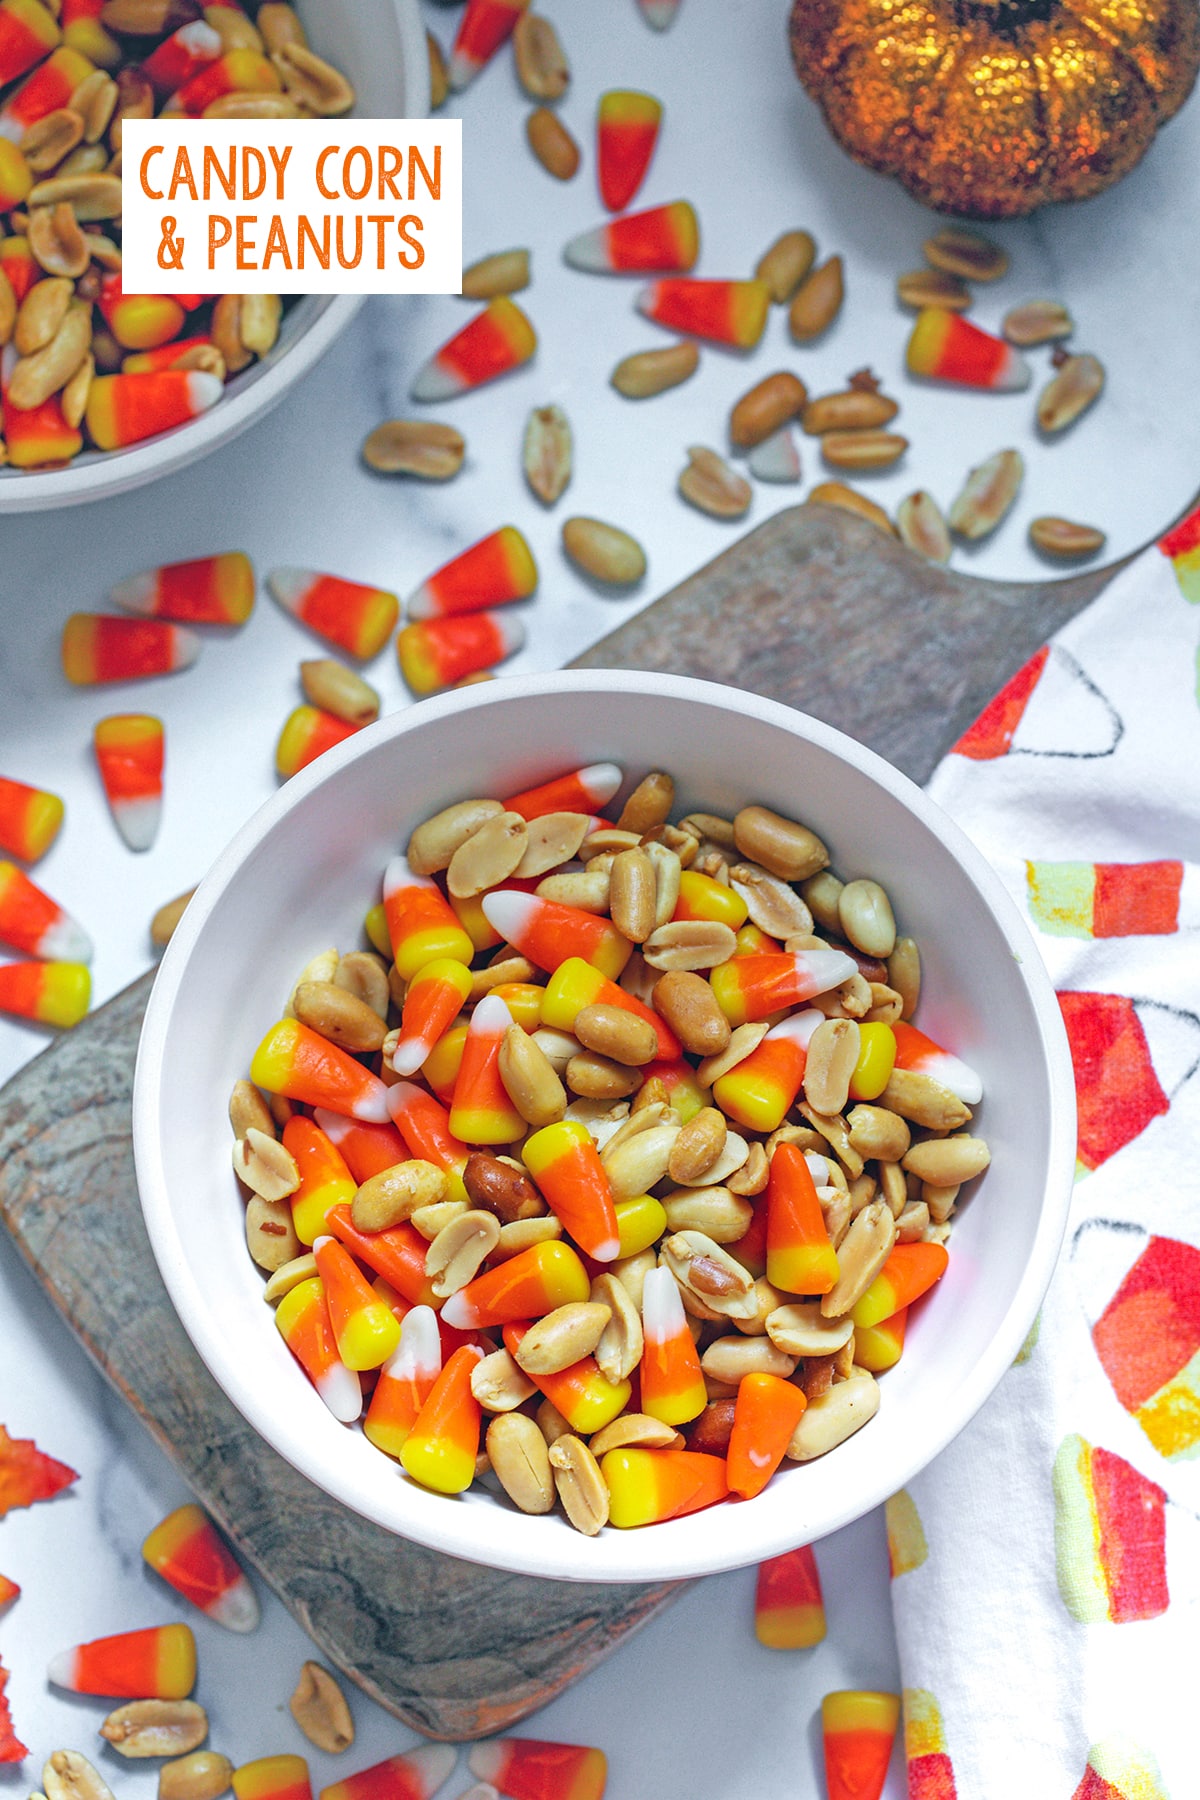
(700, 897)
(39, 435)
(29, 819)
(789, 1611)
(627, 125)
(365, 1330)
(909, 1272)
(495, 341)
(425, 1126)
(16, 177)
(586, 1399)
(444, 1061)
(405, 1381)
(9, 1591)
(236, 72)
(647, 1486)
(483, 28)
(157, 1663)
(527, 1286)
(664, 240)
(19, 265)
(880, 1347)
(420, 922)
(83, 31)
(583, 790)
(671, 1380)
(177, 58)
(946, 347)
(124, 409)
(800, 1257)
(436, 653)
(641, 1221)
(48, 88)
(300, 1064)
(766, 1413)
(129, 755)
(724, 312)
(27, 32)
(325, 1181)
(758, 1091)
(876, 1059)
(858, 1730)
(272, 1778)
(777, 458)
(398, 1254)
(920, 1054)
(34, 923)
(436, 995)
(367, 1149)
(550, 934)
(565, 1163)
(46, 993)
(482, 1112)
(163, 356)
(188, 1552)
(208, 590)
(415, 1775)
(139, 321)
(302, 1320)
(98, 648)
(576, 984)
(441, 1448)
(753, 987)
(684, 1092)
(532, 1769)
(358, 618)
(499, 568)
(308, 731)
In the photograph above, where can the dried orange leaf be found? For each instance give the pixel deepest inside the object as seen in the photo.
(12, 1750)
(27, 1474)
(8, 1590)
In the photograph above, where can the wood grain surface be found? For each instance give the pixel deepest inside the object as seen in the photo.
(815, 608)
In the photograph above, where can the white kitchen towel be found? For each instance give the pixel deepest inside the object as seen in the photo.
(1046, 1568)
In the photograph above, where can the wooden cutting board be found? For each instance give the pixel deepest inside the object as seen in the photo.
(815, 608)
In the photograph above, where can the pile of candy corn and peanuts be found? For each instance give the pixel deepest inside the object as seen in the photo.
(620, 1139)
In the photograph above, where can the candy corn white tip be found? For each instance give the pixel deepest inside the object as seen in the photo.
(138, 821)
(481, 1790)
(422, 603)
(589, 251)
(646, 299)
(65, 941)
(420, 1348)
(461, 72)
(341, 1390)
(509, 912)
(956, 1075)
(435, 383)
(408, 1057)
(777, 458)
(825, 969)
(486, 1760)
(372, 1107)
(60, 1670)
(203, 390)
(185, 646)
(236, 1609)
(662, 1309)
(798, 1029)
(607, 1250)
(136, 595)
(600, 782)
(510, 632)
(458, 1310)
(398, 875)
(492, 1014)
(431, 1763)
(289, 586)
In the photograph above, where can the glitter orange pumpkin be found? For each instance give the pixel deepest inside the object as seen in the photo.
(990, 108)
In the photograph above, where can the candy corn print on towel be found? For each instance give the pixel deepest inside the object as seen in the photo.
(1046, 1569)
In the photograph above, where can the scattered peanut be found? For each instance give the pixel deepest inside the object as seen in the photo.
(1063, 538)
(552, 143)
(922, 527)
(817, 301)
(604, 552)
(417, 447)
(546, 453)
(987, 495)
(1037, 322)
(1068, 394)
(709, 484)
(965, 253)
(650, 372)
(784, 266)
(319, 1708)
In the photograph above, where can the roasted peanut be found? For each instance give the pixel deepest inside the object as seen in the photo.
(767, 406)
(204, 1775)
(155, 1727)
(689, 944)
(832, 1056)
(848, 499)
(817, 301)
(604, 552)
(339, 1015)
(650, 372)
(562, 1337)
(418, 447)
(1037, 322)
(780, 845)
(709, 484)
(688, 1005)
(319, 1708)
(784, 266)
(542, 67)
(459, 1250)
(70, 1776)
(517, 1451)
(489, 856)
(619, 1349)
(611, 1031)
(719, 1214)
(335, 688)
(862, 1253)
(732, 1358)
(919, 288)
(965, 253)
(987, 495)
(267, 1168)
(947, 1162)
(863, 449)
(699, 1145)
(500, 1384)
(395, 1194)
(1063, 539)
(552, 143)
(834, 1416)
(922, 527)
(581, 1487)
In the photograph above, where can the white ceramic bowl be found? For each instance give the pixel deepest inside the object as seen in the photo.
(300, 876)
(380, 45)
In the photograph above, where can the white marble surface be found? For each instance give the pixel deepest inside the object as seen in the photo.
(693, 1704)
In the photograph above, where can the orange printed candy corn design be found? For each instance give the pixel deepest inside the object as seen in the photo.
(436, 653)
(482, 1112)
(441, 1448)
(32, 922)
(125, 409)
(907, 1548)
(1109, 1536)
(648, 1486)
(325, 1181)
(157, 1663)
(583, 790)
(880, 1347)
(672, 1383)
(1118, 1769)
(27, 33)
(414, 1775)
(302, 1320)
(1182, 546)
(83, 31)
(272, 1778)
(722, 312)
(527, 1286)
(584, 1396)
(365, 1330)
(916, 1052)
(97, 648)
(858, 1729)
(1148, 1342)
(424, 1125)
(367, 1149)
(358, 618)
(30, 819)
(298, 1063)
(1117, 1092)
(943, 346)
(405, 1381)
(789, 1609)
(421, 923)
(766, 1412)
(436, 995)
(550, 934)
(565, 1163)
(664, 240)
(484, 26)
(992, 733)
(206, 590)
(308, 731)
(129, 756)
(753, 987)
(909, 1272)
(627, 125)
(139, 321)
(1105, 900)
(237, 72)
(397, 1254)
(930, 1771)
(498, 569)
(46, 993)
(758, 1091)
(535, 1769)
(576, 984)
(46, 90)
(187, 1550)
(800, 1257)
(495, 341)
(177, 58)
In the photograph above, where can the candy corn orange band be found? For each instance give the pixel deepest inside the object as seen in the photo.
(308, 731)
(584, 790)
(97, 648)
(665, 240)
(435, 653)
(237, 72)
(498, 569)
(497, 340)
(27, 32)
(534, 1769)
(724, 312)
(325, 1181)
(627, 125)
(207, 590)
(398, 1254)
(41, 434)
(48, 88)
(415, 1775)
(125, 409)
(789, 1610)
(483, 28)
(858, 1730)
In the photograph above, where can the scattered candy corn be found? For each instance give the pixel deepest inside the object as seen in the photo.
(405, 1381)
(302, 1320)
(724, 312)
(308, 731)
(664, 240)
(302, 1065)
(28, 1475)
(188, 1552)
(647, 1486)
(48, 88)
(499, 568)
(627, 125)
(789, 1610)
(208, 590)
(29, 819)
(565, 1164)
(533, 1769)
(758, 1091)
(365, 1330)
(27, 32)
(858, 1730)
(436, 653)
(98, 648)
(415, 1775)
(496, 340)
(482, 29)
(421, 924)
(272, 1778)
(584, 790)
(124, 409)
(527, 1286)
(358, 618)
(441, 1448)
(550, 934)
(435, 997)
(32, 922)
(46, 993)
(325, 1180)
(946, 347)
(129, 755)
(157, 1663)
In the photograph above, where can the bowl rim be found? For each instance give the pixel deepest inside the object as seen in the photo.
(458, 1534)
